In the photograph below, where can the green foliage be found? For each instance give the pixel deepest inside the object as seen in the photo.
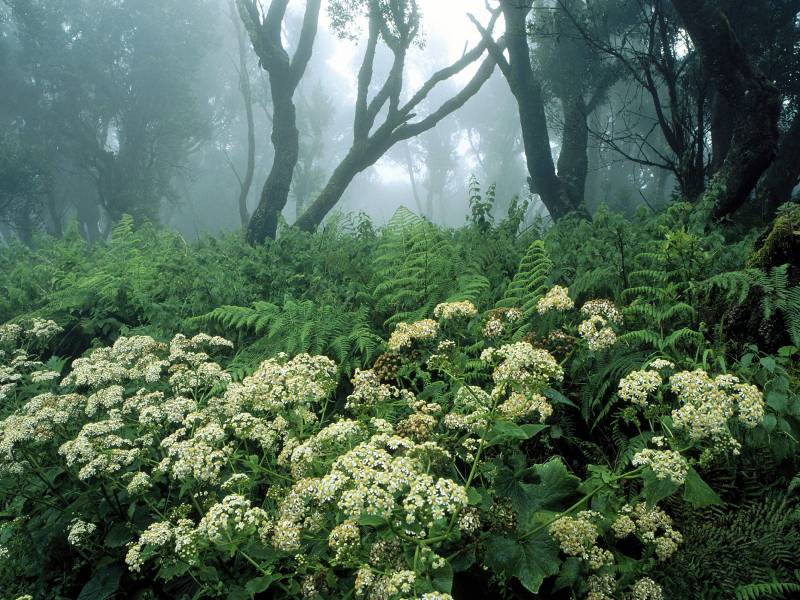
(302, 326)
(529, 283)
(340, 293)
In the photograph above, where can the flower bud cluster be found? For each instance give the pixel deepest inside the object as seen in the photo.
(597, 332)
(556, 299)
(447, 311)
(651, 525)
(406, 334)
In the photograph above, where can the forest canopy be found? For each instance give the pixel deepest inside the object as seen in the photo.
(399, 299)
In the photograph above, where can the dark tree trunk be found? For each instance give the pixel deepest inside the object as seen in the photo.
(721, 131)
(88, 215)
(247, 96)
(56, 226)
(753, 99)
(573, 160)
(776, 185)
(362, 155)
(285, 73)
(286, 142)
(527, 90)
(371, 142)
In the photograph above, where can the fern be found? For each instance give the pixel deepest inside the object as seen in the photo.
(772, 589)
(528, 284)
(302, 326)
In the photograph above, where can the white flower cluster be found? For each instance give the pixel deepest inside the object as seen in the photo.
(708, 404)
(666, 464)
(519, 406)
(79, 532)
(577, 536)
(661, 364)
(651, 525)
(646, 589)
(179, 540)
(602, 308)
(385, 477)
(281, 383)
(636, 386)
(130, 358)
(597, 332)
(522, 372)
(601, 587)
(447, 311)
(368, 392)
(522, 363)
(495, 325)
(556, 299)
(234, 517)
(405, 334)
(345, 540)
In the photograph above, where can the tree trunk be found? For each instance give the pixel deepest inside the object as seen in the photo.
(573, 160)
(776, 185)
(754, 102)
(361, 156)
(247, 96)
(721, 131)
(286, 142)
(527, 90)
(56, 226)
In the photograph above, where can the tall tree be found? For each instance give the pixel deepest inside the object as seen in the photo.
(246, 90)
(752, 99)
(396, 23)
(526, 86)
(285, 73)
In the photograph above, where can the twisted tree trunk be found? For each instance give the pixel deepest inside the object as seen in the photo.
(753, 100)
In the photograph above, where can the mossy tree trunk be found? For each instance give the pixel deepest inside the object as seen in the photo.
(753, 101)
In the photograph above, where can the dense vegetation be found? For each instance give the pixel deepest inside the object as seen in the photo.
(234, 365)
(404, 412)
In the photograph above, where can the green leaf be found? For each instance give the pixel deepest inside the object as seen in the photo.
(260, 584)
(768, 363)
(697, 492)
(530, 561)
(770, 422)
(118, 536)
(443, 579)
(778, 401)
(505, 431)
(103, 584)
(372, 520)
(656, 489)
(554, 487)
(557, 397)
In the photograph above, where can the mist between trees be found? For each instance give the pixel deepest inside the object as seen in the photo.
(226, 114)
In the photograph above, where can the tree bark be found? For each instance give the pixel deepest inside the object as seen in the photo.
(286, 142)
(358, 158)
(721, 131)
(573, 160)
(776, 185)
(285, 73)
(370, 142)
(247, 96)
(754, 102)
(527, 90)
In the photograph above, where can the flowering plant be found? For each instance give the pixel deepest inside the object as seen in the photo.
(443, 458)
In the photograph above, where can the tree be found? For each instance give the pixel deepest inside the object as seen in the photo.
(114, 88)
(396, 23)
(526, 86)
(245, 88)
(285, 73)
(753, 102)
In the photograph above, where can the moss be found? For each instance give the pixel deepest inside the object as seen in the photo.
(781, 244)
